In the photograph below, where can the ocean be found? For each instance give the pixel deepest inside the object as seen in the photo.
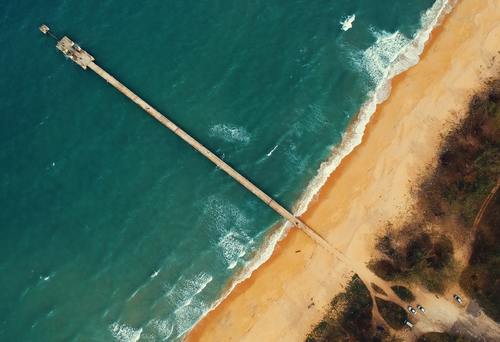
(112, 228)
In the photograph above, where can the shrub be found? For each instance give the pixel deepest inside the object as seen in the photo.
(392, 313)
(442, 253)
(384, 245)
(469, 162)
(403, 293)
(378, 289)
(348, 317)
(417, 249)
(467, 170)
(481, 278)
(418, 256)
(384, 268)
(442, 337)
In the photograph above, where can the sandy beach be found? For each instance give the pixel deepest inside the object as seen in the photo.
(287, 295)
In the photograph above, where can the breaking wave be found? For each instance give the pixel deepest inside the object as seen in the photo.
(183, 293)
(233, 246)
(124, 333)
(183, 296)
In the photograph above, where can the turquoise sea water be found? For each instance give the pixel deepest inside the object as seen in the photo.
(111, 227)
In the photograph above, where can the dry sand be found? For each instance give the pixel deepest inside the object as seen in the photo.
(285, 297)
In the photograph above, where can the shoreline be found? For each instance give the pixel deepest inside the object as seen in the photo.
(352, 138)
(286, 263)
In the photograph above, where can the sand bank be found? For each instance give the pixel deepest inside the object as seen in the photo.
(285, 297)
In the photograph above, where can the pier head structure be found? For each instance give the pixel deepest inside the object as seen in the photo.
(86, 61)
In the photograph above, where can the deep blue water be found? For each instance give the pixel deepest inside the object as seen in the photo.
(112, 228)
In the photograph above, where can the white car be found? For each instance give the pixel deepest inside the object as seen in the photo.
(457, 298)
(412, 309)
(420, 307)
(408, 323)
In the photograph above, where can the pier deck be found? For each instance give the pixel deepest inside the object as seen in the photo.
(86, 60)
(74, 52)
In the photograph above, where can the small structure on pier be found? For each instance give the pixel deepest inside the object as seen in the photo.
(69, 48)
(44, 28)
(74, 52)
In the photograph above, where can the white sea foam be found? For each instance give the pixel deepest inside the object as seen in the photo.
(404, 54)
(163, 329)
(230, 133)
(182, 294)
(124, 333)
(346, 22)
(228, 221)
(185, 317)
(265, 252)
(223, 215)
(233, 246)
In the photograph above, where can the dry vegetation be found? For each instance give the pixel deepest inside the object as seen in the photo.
(481, 278)
(349, 318)
(469, 163)
(414, 254)
(449, 205)
(392, 313)
(467, 172)
(403, 293)
(449, 200)
(442, 337)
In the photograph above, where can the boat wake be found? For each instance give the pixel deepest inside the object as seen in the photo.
(271, 152)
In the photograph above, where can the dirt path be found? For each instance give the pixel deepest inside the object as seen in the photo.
(442, 313)
(484, 206)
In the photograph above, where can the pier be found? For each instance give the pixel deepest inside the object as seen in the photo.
(86, 61)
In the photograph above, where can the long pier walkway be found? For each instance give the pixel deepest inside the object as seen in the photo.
(85, 60)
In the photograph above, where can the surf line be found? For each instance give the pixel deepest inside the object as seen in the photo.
(86, 60)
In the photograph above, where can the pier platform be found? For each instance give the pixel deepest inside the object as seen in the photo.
(74, 52)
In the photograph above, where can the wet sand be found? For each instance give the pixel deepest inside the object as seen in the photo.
(287, 295)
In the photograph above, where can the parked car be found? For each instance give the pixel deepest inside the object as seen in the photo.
(420, 307)
(457, 298)
(408, 323)
(412, 309)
